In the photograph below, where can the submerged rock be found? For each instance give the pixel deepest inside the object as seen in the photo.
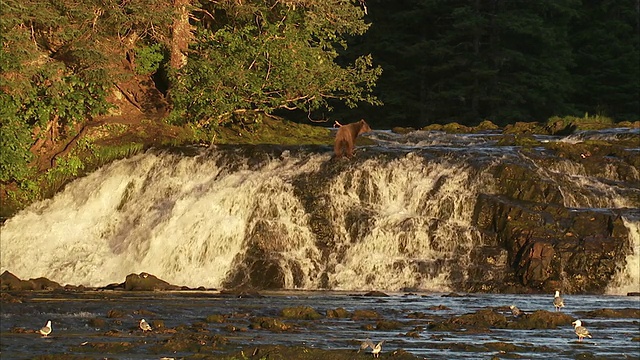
(8, 281)
(147, 282)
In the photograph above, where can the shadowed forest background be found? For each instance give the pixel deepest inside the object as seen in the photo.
(67, 67)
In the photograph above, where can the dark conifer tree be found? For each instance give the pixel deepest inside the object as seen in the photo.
(606, 43)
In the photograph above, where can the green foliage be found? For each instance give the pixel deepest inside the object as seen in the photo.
(14, 142)
(149, 58)
(52, 79)
(275, 58)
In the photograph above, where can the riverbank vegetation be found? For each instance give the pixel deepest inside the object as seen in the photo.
(82, 84)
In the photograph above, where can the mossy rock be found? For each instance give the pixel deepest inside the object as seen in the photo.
(455, 128)
(433, 127)
(339, 313)
(526, 128)
(388, 325)
(402, 130)
(541, 319)
(485, 125)
(301, 313)
(611, 313)
(365, 314)
(524, 140)
(268, 324)
(116, 313)
(216, 318)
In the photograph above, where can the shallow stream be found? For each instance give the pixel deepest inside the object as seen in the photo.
(613, 338)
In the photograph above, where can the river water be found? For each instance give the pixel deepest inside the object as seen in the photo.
(613, 338)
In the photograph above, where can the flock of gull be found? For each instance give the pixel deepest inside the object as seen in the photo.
(376, 349)
(558, 303)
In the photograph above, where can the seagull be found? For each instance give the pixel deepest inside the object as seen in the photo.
(144, 325)
(515, 311)
(375, 349)
(581, 331)
(558, 302)
(47, 329)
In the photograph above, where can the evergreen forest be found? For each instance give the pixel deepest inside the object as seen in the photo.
(205, 63)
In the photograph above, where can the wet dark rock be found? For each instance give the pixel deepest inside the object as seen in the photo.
(611, 313)
(112, 287)
(417, 315)
(633, 294)
(365, 314)
(157, 325)
(97, 323)
(241, 292)
(367, 327)
(480, 320)
(402, 130)
(116, 313)
(388, 325)
(146, 282)
(191, 342)
(216, 318)
(339, 313)
(300, 312)
(117, 347)
(9, 299)
(20, 330)
(78, 288)
(541, 319)
(8, 281)
(42, 283)
(268, 324)
(412, 334)
(452, 295)
(307, 353)
(375, 294)
(548, 246)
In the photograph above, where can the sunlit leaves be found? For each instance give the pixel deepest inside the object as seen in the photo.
(276, 57)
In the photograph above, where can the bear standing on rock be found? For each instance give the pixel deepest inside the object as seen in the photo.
(346, 137)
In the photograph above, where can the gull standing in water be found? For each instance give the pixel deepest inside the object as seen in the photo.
(375, 349)
(47, 329)
(144, 325)
(581, 331)
(558, 301)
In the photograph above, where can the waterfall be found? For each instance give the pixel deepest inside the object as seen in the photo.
(628, 278)
(400, 216)
(421, 216)
(193, 220)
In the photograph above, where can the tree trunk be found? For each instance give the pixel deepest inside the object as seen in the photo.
(181, 35)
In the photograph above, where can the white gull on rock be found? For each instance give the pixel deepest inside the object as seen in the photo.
(375, 349)
(47, 329)
(515, 311)
(144, 325)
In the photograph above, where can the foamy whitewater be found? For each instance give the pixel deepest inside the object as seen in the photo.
(190, 220)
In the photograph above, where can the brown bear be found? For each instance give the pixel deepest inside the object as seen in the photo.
(346, 137)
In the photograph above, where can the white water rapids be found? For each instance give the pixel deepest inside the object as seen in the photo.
(191, 220)
(185, 220)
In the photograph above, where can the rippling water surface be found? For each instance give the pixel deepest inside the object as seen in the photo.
(613, 338)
